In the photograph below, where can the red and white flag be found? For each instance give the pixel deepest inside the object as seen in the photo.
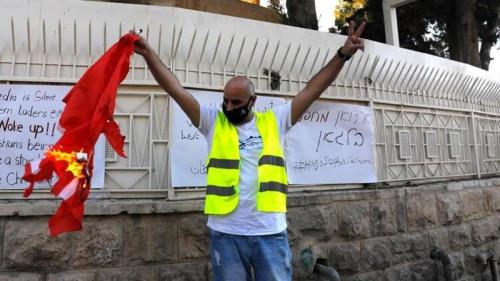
(88, 113)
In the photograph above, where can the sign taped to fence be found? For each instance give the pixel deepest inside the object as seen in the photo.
(29, 116)
(188, 147)
(332, 143)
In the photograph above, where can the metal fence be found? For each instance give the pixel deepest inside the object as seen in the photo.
(434, 118)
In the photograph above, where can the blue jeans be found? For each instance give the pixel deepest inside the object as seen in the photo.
(238, 257)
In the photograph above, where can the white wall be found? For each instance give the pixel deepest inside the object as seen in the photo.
(55, 41)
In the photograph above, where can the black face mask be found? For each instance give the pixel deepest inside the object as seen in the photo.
(237, 115)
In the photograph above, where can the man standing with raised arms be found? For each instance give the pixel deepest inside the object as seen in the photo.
(247, 181)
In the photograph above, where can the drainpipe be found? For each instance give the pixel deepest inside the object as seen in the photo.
(440, 254)
(489, 257)
(318, 265)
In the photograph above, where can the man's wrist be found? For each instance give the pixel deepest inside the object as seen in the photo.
(148, 53)
(343, 56)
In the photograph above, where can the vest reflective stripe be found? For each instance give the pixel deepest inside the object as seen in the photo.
(223, 167)
(223, 163)
(220, 190)
(272, 160)
(273, 186)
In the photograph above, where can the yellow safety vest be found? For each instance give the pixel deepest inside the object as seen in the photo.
(224, 167)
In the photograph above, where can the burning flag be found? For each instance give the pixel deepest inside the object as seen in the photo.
(88, 113)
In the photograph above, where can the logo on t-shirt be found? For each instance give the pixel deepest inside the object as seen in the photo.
(251, 143)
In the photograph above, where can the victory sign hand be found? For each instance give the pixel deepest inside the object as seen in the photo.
(353, 41)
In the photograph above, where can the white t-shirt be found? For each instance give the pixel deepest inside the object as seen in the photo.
(245, 219)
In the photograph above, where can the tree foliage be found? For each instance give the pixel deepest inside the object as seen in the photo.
(462, 30)
(276, 6)
(301, 13)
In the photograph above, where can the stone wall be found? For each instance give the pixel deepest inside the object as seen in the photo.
(373, 234)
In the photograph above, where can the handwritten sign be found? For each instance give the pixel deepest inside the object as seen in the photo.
(188, 149)
(332, 143)
(29, 116)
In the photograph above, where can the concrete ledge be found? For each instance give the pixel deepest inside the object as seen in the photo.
(101, 207)
(98, 207)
